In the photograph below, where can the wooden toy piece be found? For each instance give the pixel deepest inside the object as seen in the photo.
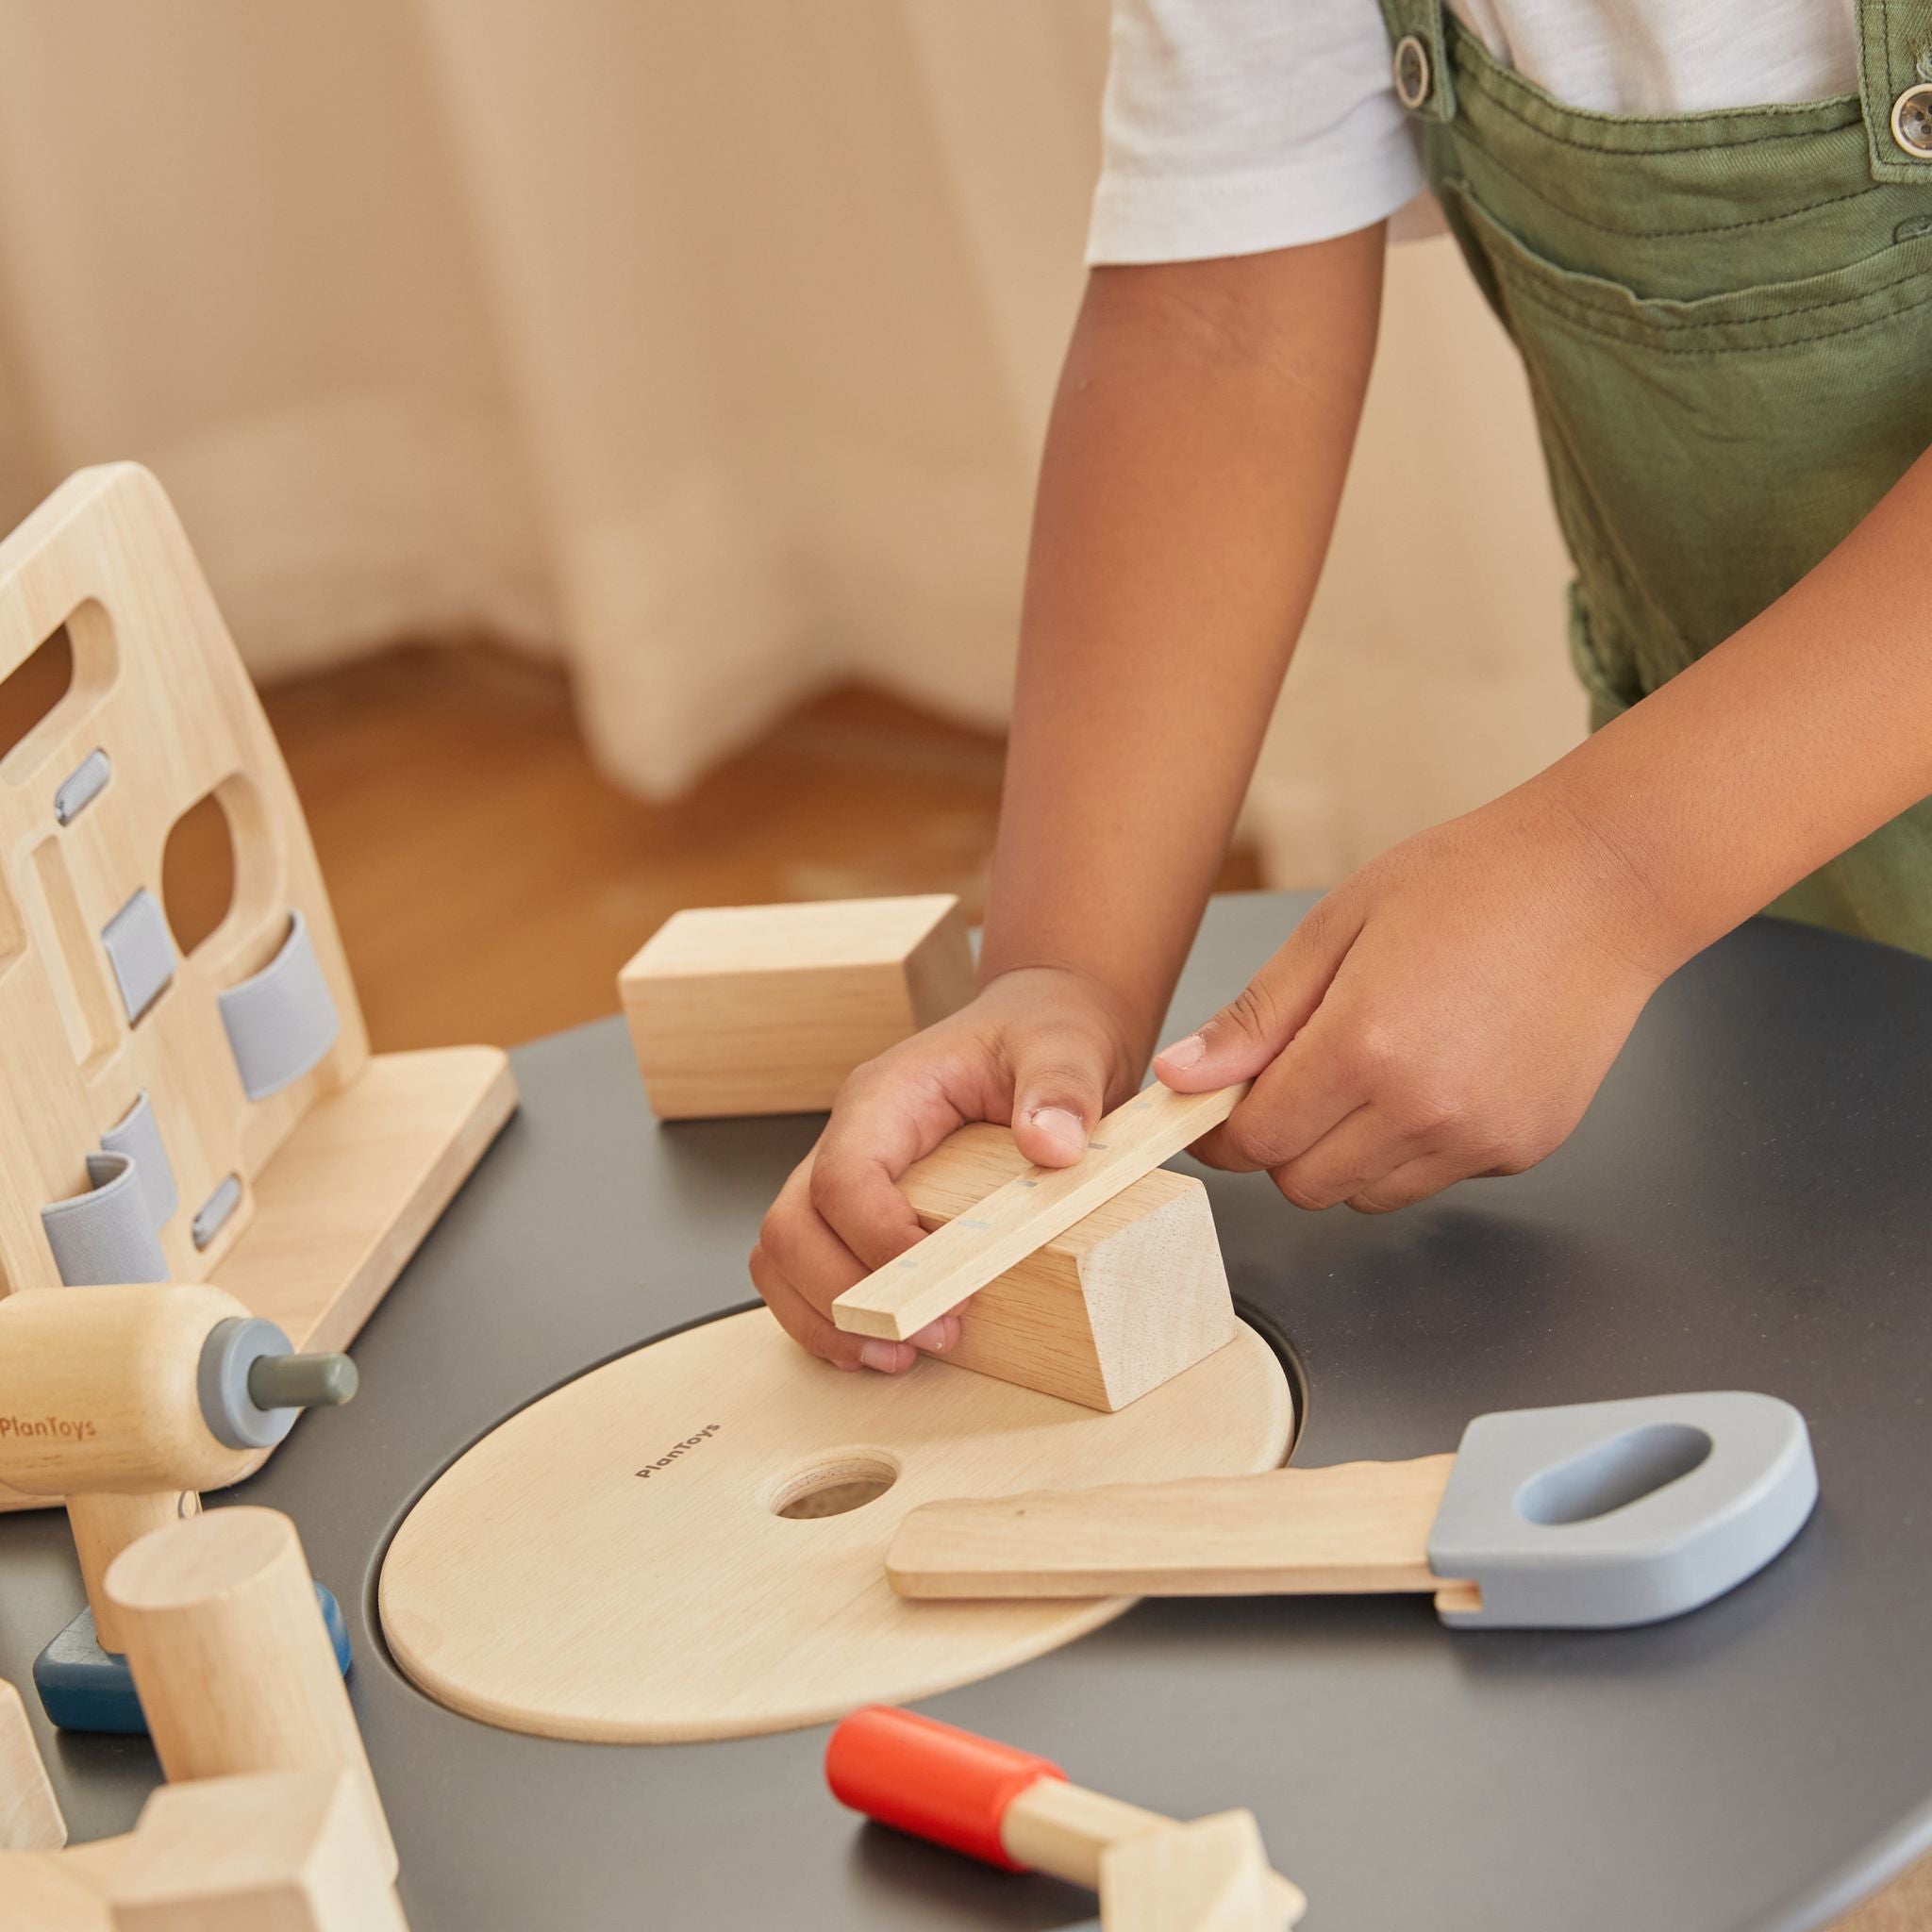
(283, 1851)
(545, 1581)
(30, 1819)
(62, 1892)
(1122, 1301)
(1585, 1515)
(749, 1009)
(99, 1391)
(935, 1277)
(994, 1802)
(1207, 1877)
(230, 1093)
(234, 1665)
(1355, 1526)
(128, 1400)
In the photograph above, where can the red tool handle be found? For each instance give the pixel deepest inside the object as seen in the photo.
(919, 1776)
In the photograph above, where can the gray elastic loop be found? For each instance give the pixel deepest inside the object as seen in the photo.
(282, 1022)
(107, 1234)
(232, 1348)
(140, 949)
(137, 1134)
(81, 787)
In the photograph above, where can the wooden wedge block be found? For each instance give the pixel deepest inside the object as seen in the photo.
(283, 1851)
(1025, 1213)
(1116, 1305)
(30, 1819)
(750, 1010)
(1207, 1877)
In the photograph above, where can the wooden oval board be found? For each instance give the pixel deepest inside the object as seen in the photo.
(608, 1563)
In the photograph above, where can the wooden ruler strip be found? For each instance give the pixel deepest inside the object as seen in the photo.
(1354, 1527)
(934, 1276)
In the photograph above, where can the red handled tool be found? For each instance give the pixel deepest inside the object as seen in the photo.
(988, 1800)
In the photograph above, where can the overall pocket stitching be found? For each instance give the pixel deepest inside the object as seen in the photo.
(1573, 214)
(1644, 337)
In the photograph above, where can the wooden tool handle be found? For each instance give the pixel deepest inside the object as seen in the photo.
(988, 1800)
(935, 1277)
(1355, 1526)
(98, 1391)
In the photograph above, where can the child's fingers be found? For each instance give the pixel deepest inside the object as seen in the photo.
(875, 1133)
(1060, 1089)
(800, 1266)
(1415, 1181)
(1306, 1094)
(1352, 1157)
(1247, 1033)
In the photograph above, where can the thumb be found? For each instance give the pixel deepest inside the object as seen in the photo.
(1060, 1087)
(1253, 1027)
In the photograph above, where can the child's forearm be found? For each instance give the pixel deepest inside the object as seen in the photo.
(1809, 729)
(1193, 464)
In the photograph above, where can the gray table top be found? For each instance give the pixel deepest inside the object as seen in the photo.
(1745, 1205)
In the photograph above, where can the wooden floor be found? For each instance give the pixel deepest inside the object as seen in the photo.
(489, 883)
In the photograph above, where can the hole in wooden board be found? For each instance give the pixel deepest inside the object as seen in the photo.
(834, 1486)
(35, 686)
(198, 871)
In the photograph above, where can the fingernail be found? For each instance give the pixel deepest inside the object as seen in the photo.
(1184, 1053)
(1057, 1124)
(933, 1337)
(882, 1355)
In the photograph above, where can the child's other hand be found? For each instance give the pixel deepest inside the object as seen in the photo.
(1040, 1049)
(1448, 1011)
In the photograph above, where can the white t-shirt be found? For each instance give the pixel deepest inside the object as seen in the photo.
(1237, 126)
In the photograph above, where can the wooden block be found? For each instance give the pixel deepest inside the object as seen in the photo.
(287, 1850)
(61, 1891)
(1354, 1526)
(1025, 1213)
(235, 1669)
(749, 1009)
(1207, 1877)
(1116, 1305)
(1070, 1832)
(30, 1819)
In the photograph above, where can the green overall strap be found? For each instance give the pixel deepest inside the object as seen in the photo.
(1896, 84)
(1423, 80)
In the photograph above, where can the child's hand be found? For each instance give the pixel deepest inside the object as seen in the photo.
(1448, 1011)
(1045, 1050)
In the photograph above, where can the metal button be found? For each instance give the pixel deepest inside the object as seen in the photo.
(1412, 75)
(1911, 117)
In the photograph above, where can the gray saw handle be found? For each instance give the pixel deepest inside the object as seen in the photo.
(1608, 1513)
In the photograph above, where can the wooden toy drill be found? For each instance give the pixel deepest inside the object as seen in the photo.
(128, 1402)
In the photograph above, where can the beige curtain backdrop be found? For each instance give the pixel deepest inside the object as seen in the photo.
(706, 341)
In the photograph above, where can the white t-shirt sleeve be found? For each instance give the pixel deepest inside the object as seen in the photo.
(1232, 127)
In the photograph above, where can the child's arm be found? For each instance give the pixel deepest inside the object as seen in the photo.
(1195, 456)
(1451, 1008)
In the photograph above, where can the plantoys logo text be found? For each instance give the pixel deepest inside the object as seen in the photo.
(677, 1449)
(56, 1425)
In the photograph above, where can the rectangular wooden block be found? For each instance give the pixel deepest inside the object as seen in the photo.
(1122, 1301)
(752, 1009)
(282, 1851)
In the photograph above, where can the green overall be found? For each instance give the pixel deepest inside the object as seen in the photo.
(1727, 323)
